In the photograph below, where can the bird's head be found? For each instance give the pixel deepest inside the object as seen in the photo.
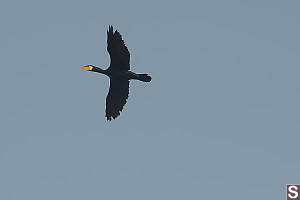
(88, 67)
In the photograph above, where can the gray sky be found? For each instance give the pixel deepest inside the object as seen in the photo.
(220, 120)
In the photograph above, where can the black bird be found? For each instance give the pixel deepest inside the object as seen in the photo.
(118, 72)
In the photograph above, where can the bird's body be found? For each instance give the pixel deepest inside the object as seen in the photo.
(119, 74)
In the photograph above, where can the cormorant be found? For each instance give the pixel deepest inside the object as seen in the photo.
(119, 74)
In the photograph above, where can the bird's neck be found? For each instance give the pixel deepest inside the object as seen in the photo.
(99, 70)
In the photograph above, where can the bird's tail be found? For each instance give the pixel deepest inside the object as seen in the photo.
(143, 77)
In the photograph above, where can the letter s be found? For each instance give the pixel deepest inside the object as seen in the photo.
(293, 189)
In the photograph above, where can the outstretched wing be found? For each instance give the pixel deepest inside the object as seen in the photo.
(119, 54)
(117, 97)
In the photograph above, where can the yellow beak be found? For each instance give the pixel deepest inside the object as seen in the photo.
(87, 67)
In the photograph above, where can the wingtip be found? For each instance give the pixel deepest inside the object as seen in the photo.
(108, 118)
(110, 29)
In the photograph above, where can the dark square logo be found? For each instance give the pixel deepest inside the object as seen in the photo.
(292, 191)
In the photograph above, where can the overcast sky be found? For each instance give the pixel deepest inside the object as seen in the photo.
(220, 119)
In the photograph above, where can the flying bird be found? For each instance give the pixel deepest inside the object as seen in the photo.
(119, 74)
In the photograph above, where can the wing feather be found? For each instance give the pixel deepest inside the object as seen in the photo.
(117, 97)
(119, 54)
